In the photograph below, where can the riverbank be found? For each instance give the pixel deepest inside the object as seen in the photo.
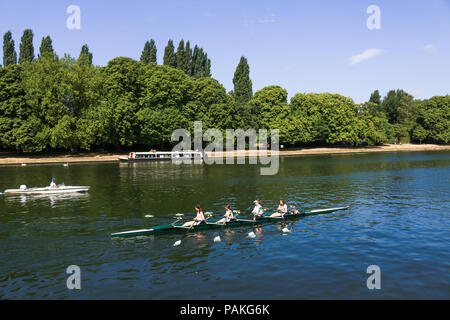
(331, 150)
(63, 158)
(108, 157)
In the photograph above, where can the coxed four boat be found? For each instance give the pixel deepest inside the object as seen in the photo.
(212, 223)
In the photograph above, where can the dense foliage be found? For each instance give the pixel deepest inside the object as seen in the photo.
(69, 104)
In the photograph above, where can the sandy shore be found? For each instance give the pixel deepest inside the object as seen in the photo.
(94, 157)
(87, 157)
(330, 150)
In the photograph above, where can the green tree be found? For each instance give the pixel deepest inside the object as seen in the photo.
(242, 83)
(145, 55)
(326, 118)
(188, 58)
(85, 56)
(194, 61)
(401, 111)
(9, 52)
(46, 47)
(375, 98)
(420, 134)
(165, 93)
(26, 47)
(153, 51)
(180, 56)
(271, 111)
(374, 127)
(433, 123)
(122, 85)
(149, 53)
(169, 55)
(18, 128)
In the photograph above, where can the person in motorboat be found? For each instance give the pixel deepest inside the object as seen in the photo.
(199, 218)
(53, 184)
(258, 210)
(229, 215)
(282, 209)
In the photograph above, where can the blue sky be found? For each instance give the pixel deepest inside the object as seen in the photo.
(303, 46)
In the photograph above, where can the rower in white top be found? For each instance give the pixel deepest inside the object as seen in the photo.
(281, 211)
(229, 215)
(258, 210)
(199, 218)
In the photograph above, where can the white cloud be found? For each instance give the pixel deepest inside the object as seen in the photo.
(367, 54)
(430, 48)
(416, 93)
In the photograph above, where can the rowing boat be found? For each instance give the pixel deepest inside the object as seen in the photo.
(213, 223)
(46, 190)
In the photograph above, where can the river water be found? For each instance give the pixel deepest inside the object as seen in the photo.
(398, 220)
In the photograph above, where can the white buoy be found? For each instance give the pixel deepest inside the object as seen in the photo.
(177, 243)
(286, 230)
(24, 164)
(217, 239)
(251, 234)
(65, 164)
(148, 216)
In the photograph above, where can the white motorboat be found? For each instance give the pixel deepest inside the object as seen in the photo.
(46, 190)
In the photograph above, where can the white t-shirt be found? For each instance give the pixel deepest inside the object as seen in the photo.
(228, 215)
(257, 209)
(283, 208)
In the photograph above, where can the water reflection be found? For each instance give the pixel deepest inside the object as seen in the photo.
(398, 218)
(53, 199)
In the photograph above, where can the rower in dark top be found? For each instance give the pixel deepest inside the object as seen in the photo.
(294, 210)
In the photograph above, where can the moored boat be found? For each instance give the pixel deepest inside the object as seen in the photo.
(154, 155)
(46, 190)
(211, 223)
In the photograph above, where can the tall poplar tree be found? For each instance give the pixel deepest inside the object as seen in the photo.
(188, 58)
(242, 83)
(9, 52)
(169, 55)
(194, 61)
(85, 55)
(181, 56)
(46, 48)
(152, 51)
(375, 97)
(145, 55)
(208, 68)
(149, 53)
(26, 47)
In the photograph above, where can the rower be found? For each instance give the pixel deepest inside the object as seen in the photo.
(281, 211)
(229, 215)
(53, 184)
(258, 210)
(199, 218)
(293, 210)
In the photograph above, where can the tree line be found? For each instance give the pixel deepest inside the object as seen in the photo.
(67, 103)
